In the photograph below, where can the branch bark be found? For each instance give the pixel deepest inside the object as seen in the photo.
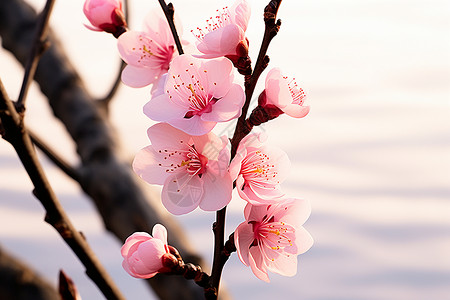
(105, 175)
(18, 282)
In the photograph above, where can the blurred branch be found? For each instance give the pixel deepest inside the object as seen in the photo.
(106, 175)
(19, 282)
(54, 157)
(104, 102)
(15, 134)
(39, 46)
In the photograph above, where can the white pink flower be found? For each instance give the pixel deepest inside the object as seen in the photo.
(193, 169)
(143, 254)
(272, 236)
(104, 15)
(258, 170)
(197, 95)
(148, 53)
(284, 93)
(224, 34)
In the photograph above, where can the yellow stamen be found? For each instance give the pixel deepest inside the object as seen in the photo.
(147, 50)
(185, 163)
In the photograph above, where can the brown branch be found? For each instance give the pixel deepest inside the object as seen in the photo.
(39, 46)
(54, 157)
(104, 102)
(19, 282)
(243, 127)
(15, 133)
(169, 12)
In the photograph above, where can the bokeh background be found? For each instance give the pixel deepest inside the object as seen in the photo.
(372, 157)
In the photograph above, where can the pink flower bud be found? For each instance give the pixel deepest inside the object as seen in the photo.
(105, 15)
(143, 254)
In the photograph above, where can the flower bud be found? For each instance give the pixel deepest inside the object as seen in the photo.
(105, 15)
(145, 255)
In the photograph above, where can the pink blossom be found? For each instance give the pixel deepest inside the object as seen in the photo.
(272, 236)
(143, 254)
(197, 95)
(193, 169)
(283, 93)
(258, 170)
(224, 34)
(148, 53)
(104, 15)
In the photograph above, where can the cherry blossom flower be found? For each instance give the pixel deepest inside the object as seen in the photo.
(258, 170)
(272, 236)
(224, 34)
(104, 15)
(193, 169)
(283, 93)
(148, 53)
(143, 253)
(197, 95)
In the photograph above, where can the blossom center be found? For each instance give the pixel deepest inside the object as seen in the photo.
(274, 235)
(195, 163)
(257, 167)
(297, 93)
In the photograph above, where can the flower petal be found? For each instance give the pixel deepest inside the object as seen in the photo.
(257, 264)
(160, 232)
(228, 107)
(181, 194)
(243, 238)
(216, 191)
(137, 77)
(162, 109)
(193, 126)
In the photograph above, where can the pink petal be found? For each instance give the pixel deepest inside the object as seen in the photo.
(303, 240)
(285, 265)
(296, 214)
(216, 191)
(182, 194)
(255, 212)
(243, 238)
(193, 126)
(257, 264)
(296, 111)
(133, 239)
(160, 232)
(277, 90)
(137, 77)
(228, 107)
(147, 162)
(219, 77)
(162, 109)
(241, 13)
(221, 42)
(260, 196)
(155, 23)
(165, 137)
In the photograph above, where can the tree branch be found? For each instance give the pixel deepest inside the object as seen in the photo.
(39, 47)
(15, 133)
(169, 11)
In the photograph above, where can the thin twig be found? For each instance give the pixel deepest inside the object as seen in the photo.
(39, 46)
(169, 12)
(242, 129)
(15, 133)
(54, 157)
(104, 102)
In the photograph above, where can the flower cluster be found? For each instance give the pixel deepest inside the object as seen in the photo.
(191, 94)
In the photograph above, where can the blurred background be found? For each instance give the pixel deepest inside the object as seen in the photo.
(372, 156)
